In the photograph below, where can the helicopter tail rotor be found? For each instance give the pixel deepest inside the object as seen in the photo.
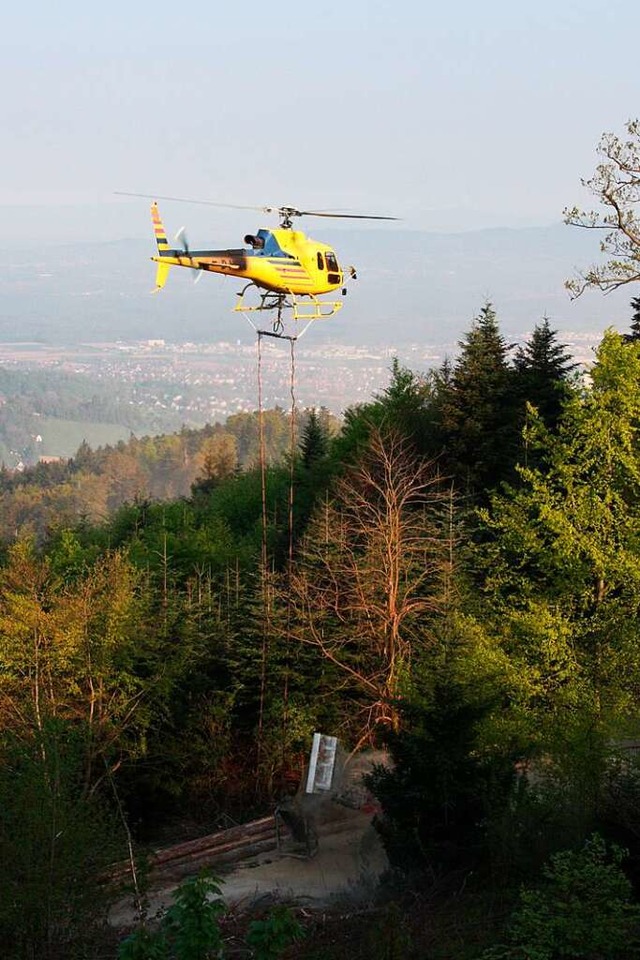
(181, 238)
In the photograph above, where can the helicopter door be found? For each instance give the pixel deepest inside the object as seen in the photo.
(333, 275)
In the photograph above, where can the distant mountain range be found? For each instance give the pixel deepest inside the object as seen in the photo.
(413, 287)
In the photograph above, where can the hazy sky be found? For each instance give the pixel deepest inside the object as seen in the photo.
(447, 115)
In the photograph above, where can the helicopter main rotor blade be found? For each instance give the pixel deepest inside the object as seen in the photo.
(342, 216)
(285, 213)
(208, 203)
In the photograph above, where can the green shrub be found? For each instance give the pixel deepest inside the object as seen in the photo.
(582, 910)
(190, 929)
(269, 938)
(56, 840)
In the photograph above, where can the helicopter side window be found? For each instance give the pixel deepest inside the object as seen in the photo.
(320, 261)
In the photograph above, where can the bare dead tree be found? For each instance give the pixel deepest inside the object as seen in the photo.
(374, 568)
(616, 185)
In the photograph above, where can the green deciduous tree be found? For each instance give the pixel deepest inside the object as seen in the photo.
(76, 650)
(562, 577)
(404, 406)
(190, 929)
(616, 186)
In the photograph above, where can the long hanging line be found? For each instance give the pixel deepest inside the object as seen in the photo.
(292, 457)
(266, 618)
(263, 456)
(292, 444)
(266, 598)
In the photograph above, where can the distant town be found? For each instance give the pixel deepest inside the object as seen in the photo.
(205, 382)
(55, 397)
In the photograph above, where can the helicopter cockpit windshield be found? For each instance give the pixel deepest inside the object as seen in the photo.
(265, 244)
(333, 270)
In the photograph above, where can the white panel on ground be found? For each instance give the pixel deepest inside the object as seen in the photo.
(321, 763)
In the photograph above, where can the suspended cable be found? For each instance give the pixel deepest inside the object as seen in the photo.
(266, 613)
(263, 455)
(266, 595)
(292, 463)
(292, 445)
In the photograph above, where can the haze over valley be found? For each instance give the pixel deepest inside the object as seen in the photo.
(83, 314)
(83, 317)
(413, 286)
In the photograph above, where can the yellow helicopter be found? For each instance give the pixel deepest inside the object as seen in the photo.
(289, 270)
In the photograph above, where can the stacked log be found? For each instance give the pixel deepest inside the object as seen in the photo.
(217, 850)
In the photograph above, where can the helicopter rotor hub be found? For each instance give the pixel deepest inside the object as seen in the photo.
(287, 214)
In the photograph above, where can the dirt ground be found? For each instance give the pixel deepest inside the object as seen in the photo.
(345, 866)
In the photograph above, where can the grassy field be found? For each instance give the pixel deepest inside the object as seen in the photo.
(61, 438)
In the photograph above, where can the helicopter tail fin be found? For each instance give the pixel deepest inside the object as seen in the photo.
(161, 275)
(163, 247)
(160, 232)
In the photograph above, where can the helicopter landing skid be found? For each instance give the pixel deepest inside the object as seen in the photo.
(315, 310)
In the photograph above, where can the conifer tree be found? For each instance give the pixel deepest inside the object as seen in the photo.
(314, 442)
(479, 421)
(543, 367)
(635, 322)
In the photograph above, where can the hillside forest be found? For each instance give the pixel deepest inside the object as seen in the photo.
(451, 573)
